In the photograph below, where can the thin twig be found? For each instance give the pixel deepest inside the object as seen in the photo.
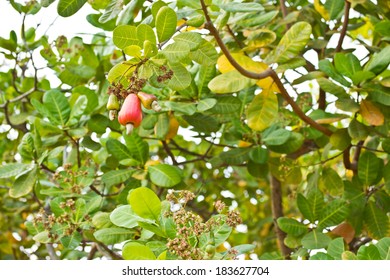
(283, 8)
(238, 42)
(169, 152)
(51, 251)
(345, 25)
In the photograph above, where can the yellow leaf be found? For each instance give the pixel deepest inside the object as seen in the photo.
(246, 62)
(321, 9)
(365, 30)
(371, 113)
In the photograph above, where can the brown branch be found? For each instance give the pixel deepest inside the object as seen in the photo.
(110, 252)
(258, 76)
(93, 251)
(238, 42)
(283, 8)
(322, 100)
(169, 152)
(346, 158)
(51, 251)
(355, 160)
(22, 127)
(277, 212)
(345, 25)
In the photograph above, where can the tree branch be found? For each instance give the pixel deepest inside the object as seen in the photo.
(277, 212)
(169, 152)
(345, 25)
(51, 251)
(283, 8)
(258, 76)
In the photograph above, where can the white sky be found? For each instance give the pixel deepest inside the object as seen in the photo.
(12, 20)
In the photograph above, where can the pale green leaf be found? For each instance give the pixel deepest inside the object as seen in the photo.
(315, 240)
(176, 52)
(205, 54)
(165, 175)
(291, 226)
(113, 235)
(145, 203)
(124, 216)
(181, 78)
(14, 169)
(241, 7)
(57, 105)
(24, 184)
(67, 8)
(263, 111)
(137, 251)
(166, 20)
(230, 82)
(292, 43)
(125, 35)
(206, 104)
(115, 177)
(191, 38)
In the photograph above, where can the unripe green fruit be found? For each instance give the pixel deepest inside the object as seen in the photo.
(112, 106)
(210, 249)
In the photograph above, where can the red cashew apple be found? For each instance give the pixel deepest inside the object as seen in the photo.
(130, 114)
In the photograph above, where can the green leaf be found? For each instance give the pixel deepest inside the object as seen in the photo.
(347, 64)
(137, 251)
(14, 169)
(138, 148)
(192, 39)
(67, 8)
(204, 76)
(235, 156)
(119, 71)
(115, 177)
(162, 126)
(57, 106)
(348, 255)
(182, 107)
(315, 240)
(257, 20)
(332, 88)
(202, 123)
(80, 208)
(336, 248)
(117, 149)
(305, 207)
(277, 137)
(112, 11)
(241, 7)
(205, 54)
(383, 246)
(327, 67)
(72, 241)
(321, 256)
(166, 20)
(291, 44)
(316, 200)
(294, 142)
(259, 155)
(165, 175)
(227, 105)
(79, 107)
(368, 168)
(335, 8)
(291, 226)
(145, 33)
(230, 82)
(124, 216)
(113, 235)
(376, 221)
(263, 111)
(379, 61)
(333, 214)
(357, 130)
(24, 184)
(330, 182)
(369, 252)
(181, 78)
(101, 220)
(206, 104)
(145, 203)
(176, 52)
(125, 35)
